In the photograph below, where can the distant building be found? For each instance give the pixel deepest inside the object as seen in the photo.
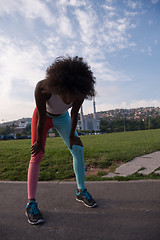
(89, 123)
(21, 126)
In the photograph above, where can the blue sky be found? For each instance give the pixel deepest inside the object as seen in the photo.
(120, 40)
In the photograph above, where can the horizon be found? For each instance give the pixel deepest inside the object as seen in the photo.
(120, 40)
(84, 114)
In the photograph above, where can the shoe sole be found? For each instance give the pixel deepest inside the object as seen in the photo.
(35, 223)
(94, 205)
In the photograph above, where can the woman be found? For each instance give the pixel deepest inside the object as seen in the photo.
(67, 83)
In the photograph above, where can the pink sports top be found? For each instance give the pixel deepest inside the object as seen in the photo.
(55, 105)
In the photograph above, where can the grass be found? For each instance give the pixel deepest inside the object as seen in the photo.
(101, 151)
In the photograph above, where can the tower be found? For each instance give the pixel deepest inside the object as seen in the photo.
(82, 119)
(94, 109)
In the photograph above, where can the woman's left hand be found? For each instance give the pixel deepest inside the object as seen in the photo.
(74, 140)
(36, 148)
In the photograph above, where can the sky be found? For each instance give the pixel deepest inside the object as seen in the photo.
(119, 39)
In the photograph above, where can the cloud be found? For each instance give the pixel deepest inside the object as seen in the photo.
(53, 46)
(142, 50)
(125, 105)
(105, 73)
(87, 23)
(21, 66)
(144, 103)
(150, 22)
(13, 110)
(73, 3)
(65, 26)
(130, 14)
(115, 30)
(27, 9)
(149, 50)
(133, 4)
(22, 61)
(109, 8)
(154, 1)
(109, 1)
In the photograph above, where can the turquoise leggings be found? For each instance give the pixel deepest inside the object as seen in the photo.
(62, 124)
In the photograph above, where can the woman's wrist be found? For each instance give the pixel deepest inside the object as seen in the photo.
(39, 142)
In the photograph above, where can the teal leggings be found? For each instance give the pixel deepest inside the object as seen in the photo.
(62, 124)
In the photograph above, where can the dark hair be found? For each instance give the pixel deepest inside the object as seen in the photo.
(71, 76)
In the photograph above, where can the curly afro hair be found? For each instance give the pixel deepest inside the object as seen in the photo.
(71, 77)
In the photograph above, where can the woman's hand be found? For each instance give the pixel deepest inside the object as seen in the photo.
(36, 148)
(75, 141)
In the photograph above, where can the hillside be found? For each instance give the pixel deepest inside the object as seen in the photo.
(133, 113)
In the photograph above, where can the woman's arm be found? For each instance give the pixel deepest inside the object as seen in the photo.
(74, 118)
(41, 99)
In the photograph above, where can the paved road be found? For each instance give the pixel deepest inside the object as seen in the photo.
(126, 211)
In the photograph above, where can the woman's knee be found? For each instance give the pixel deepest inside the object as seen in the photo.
(77, 150)
(37, 158)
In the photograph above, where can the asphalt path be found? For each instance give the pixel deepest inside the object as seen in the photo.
(126, 211)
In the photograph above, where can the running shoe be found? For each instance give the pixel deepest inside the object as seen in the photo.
(86, 198)
(33, 213)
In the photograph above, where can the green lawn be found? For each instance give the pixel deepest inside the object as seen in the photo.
(103, 151)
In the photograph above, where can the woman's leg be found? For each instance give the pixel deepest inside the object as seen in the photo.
(63, 126)
(34, 165)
